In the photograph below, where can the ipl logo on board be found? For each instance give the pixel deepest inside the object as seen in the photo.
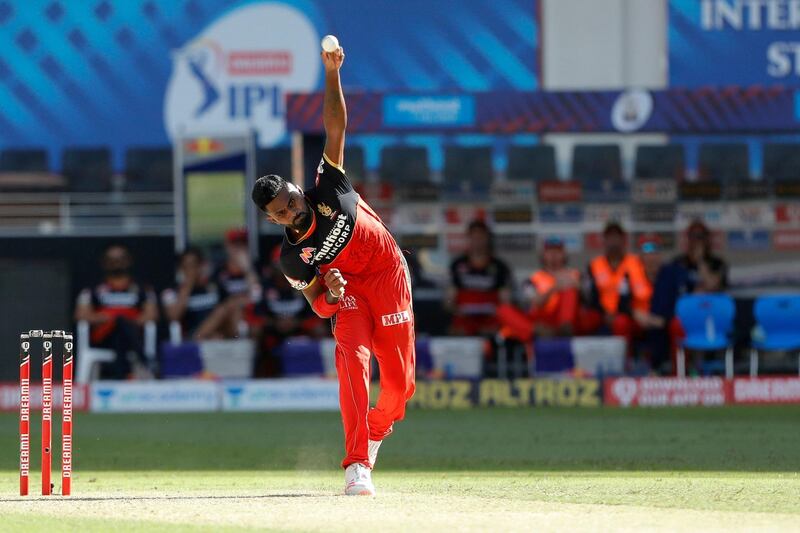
(232, 77)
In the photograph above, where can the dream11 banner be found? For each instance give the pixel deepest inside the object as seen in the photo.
(734, 42)
(139, 72)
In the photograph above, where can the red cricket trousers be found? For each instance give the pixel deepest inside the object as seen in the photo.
(375, 317)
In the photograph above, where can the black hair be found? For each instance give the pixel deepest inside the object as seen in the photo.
(481, 225)
(192, 250)
(266, 189)
(614, 227)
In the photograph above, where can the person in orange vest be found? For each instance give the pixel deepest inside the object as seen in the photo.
(553, 295)
(617, 287)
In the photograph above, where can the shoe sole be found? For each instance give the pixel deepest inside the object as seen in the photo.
(363, 492)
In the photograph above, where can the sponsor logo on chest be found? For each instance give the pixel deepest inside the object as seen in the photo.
(335, 240)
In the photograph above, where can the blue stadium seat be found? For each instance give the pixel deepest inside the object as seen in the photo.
(406, 170)
(532, 163)
(149, 169)
(24, 160)
(778, 322)
(87, 169)
(660, 161)
(707, 320)
(274, 161)
(596, 162)
(354, 164)
(724, 162)
(468, 171)
(781, 162)
(599, 168)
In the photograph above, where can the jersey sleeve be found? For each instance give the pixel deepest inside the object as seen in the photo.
(299, 275)
(329, 174)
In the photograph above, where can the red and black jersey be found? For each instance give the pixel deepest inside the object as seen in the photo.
(345, 233)
(124, 302)
(202, 301)
(478, 288)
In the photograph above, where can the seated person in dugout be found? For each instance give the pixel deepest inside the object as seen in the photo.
(553, 296)
(616, 288)
(479, 282)
(280, 313)
(117, 309)
(685, 275)
(238, 285)
(192, 302)
(652, 349)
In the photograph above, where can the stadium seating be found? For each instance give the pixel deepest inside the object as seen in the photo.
(24, 160)
(707, 321)
(778, 325)
(406, 170)
(275, 161)
(781, 168)
(87, 169)
(537, 163)
(596, 162)
(27, 170)
(354, 164)
(660, 161)
(781, 161)
(725, 163)
(149, 169)
(599, 168)
(468, 171)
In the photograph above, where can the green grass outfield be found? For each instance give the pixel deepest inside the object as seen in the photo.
(551, 469)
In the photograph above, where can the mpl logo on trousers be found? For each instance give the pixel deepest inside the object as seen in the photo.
(396, 318)
(232, 77)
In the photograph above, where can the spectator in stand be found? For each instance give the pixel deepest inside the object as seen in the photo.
(238, 284)
(479, 283)
(117, 310)
(617, 287)
(195, 298)
(553, 298)
(280, 313)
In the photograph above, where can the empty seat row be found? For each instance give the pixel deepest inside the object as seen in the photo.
(91, 170)
(466, 169)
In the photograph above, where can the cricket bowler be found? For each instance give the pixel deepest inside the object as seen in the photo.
(337, 251)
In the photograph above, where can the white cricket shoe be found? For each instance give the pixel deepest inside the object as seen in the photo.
(374, 445)
(358, 481)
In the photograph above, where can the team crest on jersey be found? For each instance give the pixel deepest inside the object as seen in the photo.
(324, 210)
(306, 255)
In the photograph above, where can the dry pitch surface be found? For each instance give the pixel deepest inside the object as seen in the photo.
(483, 501)
(501, 470)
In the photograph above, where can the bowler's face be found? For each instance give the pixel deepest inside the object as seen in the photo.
(288, 208)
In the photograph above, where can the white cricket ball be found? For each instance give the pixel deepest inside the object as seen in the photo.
(330, 43)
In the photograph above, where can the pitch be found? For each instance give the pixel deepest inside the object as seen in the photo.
(496, 469)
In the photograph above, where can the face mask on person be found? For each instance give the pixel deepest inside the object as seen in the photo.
(117, 271)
